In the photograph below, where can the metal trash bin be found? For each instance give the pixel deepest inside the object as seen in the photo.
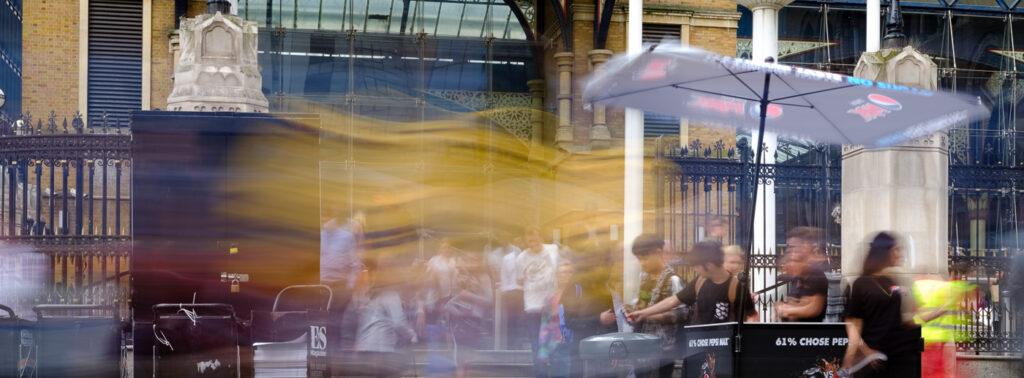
(16, 346)
(72, 341)
(196, 339)
(620, 354)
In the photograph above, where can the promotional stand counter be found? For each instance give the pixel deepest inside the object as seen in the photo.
(768, 350)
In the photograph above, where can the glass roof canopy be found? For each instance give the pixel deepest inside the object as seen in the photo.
(439, 18)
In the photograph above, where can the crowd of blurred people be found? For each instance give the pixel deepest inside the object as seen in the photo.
(521, 292)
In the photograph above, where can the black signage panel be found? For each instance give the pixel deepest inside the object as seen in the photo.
(792, 349)
(709, 351)
(785, 350)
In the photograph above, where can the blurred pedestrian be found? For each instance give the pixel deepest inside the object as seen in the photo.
(555, 338)
(469, 310)
(808, 286)
(589, 313)
(536, 271)
(23, 276)
(341, 255)
(734, 259)
(939, 307)
(713, 294)
(442, 270)
(717, 229)
(383, 331)
(810, 242)
(874, 321)
(511, 297)
(657, 282)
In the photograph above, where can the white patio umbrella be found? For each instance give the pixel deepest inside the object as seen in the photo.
(790, 101)
(800, 102)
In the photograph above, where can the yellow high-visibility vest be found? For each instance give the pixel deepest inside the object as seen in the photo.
(932, 294)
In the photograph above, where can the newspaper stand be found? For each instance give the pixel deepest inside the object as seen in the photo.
(768, 350)
(72, 341)
(620, 354)
(294, 339)
(196, 340)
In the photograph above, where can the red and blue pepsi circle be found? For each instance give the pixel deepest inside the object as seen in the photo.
(885, 102)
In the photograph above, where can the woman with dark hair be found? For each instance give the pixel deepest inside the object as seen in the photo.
(874, 322)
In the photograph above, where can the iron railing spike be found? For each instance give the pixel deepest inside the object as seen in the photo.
(76, 122)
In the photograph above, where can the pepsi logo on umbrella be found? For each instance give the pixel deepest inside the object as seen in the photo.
(885, 102)
(877, 106)
(656, 69)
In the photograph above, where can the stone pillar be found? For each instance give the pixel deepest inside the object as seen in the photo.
(174, 48)
(765, 22)
(903, 188)
(600, 136)
(537, 88)
(564, 133)
(873, 25)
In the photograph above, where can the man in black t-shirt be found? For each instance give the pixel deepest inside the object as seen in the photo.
(713, 294)
(806, 299)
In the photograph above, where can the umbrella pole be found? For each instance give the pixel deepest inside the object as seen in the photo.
(743, 277)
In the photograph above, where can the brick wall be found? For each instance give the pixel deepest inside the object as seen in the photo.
(160, 79)
(721, 41)
(697, 4)
(195, 8)
(50, 62)
(707, 4)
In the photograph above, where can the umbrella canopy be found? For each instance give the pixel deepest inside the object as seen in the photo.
(822, 106)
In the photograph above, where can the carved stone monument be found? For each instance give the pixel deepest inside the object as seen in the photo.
(903, 188)
(217, 68)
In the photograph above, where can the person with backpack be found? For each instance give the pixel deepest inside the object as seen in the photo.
(712, 294)
(657, 282)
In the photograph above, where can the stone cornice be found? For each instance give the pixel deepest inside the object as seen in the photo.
(937, 142)
(770, 4)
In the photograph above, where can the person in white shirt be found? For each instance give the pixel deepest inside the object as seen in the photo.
(442, 270)
(536, 271)
(511, 295)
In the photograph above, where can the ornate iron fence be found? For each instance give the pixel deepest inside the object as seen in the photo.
(985, 218)
(700, 183)
(65, 216)
(989, 322)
